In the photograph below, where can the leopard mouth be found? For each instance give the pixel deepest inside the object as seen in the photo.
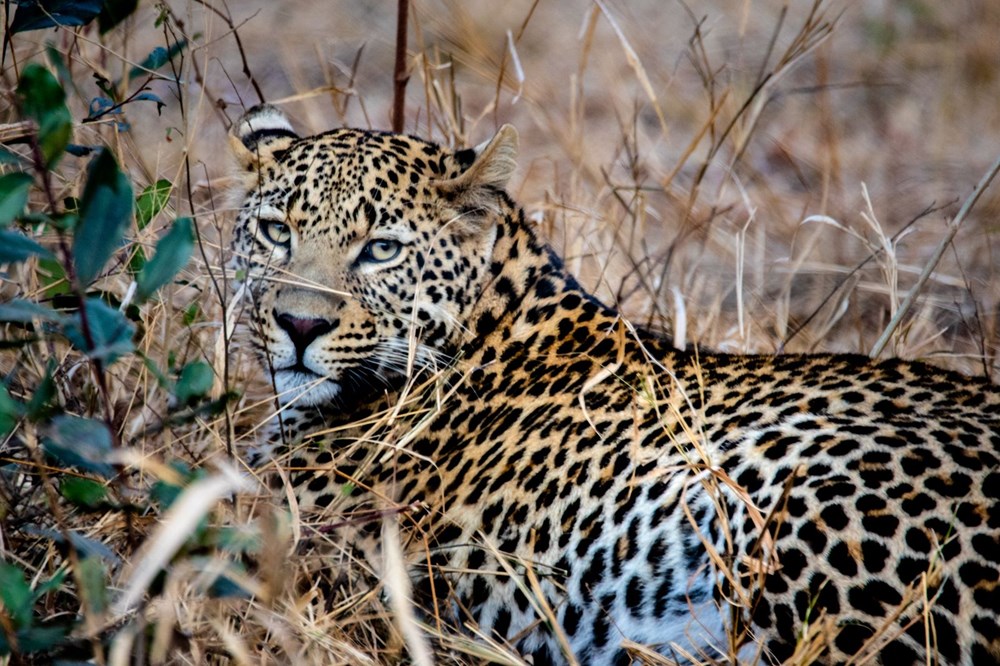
(303, 386)
(297, 383)
(300, 368)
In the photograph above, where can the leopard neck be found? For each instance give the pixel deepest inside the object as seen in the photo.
(527, 283)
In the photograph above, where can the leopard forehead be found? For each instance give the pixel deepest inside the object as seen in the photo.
(359, 179)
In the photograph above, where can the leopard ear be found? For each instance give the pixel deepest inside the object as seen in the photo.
(485, 172)
(259, 134)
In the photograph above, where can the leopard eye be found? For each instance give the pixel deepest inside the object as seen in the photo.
(380, 251)
(276, 232)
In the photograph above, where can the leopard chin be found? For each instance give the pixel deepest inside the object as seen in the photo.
(355, 386)
(305, 388)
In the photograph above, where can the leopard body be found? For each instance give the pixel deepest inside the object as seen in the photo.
(572, 485)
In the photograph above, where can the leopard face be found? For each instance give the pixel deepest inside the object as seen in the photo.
(362, 251)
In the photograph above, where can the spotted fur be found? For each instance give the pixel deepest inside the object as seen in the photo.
(546, 459)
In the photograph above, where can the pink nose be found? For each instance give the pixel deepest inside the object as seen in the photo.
(302, 330)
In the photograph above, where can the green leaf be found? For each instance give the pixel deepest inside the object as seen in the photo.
(105, 212)
(157, 58)
(92, 576)
(238, 540)
(66, 221)
(41, 14)
(86, 547)
(83, 443)
(161, 379)
(52, 276)
(41, 638)
(25, 312)
(13, 196)
(114, 12)
(51, 585)
(15, 594)
(11, 411)
(101, 106)
(191, 314)
(16, 247)
(43, 99)
(152, 200)
(224, 587)
(7, 157)
(83, 492)
(172, 254)
(41, 401)
(58, 62)
(150, 97)
(204, 410)
(110, 332)
(164, 493)
(195, 381)
(137, 260)
(106, 87)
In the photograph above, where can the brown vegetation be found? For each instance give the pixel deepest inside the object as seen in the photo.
(756, 176)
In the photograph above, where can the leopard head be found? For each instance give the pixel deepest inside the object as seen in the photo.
(364, 252)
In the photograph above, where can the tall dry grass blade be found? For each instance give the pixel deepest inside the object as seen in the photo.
(953, 228)
(177, 525)
(549, 613)
(397, 585)
(515, 60)
(636, 64)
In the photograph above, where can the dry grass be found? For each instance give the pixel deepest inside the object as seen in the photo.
(759, 176)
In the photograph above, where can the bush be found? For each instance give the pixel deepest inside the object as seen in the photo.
(80, 336)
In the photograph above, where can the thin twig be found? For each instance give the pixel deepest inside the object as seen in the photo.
(94, 117)
(228, 18)
(953, 227)
(400, 77)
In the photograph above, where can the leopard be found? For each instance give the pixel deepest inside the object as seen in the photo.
(572, 486)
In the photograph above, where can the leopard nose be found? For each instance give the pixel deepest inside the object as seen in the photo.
(302, 330)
